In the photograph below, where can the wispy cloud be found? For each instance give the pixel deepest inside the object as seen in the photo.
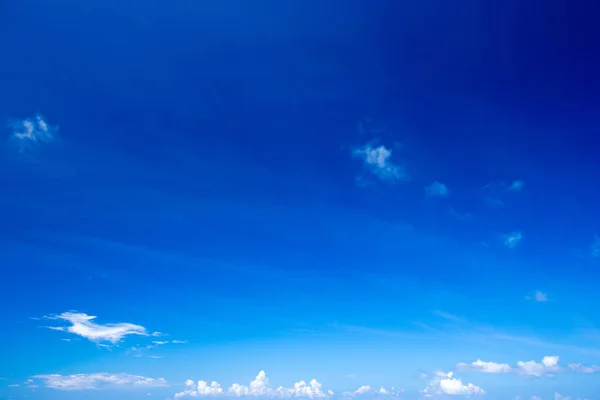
(511, 240)
(371, 392)
(32, 132)
(584, 369)
(99, 381)
(437, 189)
(516, 186)
(83, 325)
(445, 384)
(549, 365)
(258, 387)
(540, 296)
(461, 216)
(378, 160)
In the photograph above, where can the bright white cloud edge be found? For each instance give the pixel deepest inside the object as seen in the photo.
(83, 325)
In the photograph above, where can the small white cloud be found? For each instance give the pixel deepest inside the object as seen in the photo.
(516, 186)
(156, 334)
(180, 341)
(437, 189)
(540, 296)
(14, 385)
(99, 381)
(370, 392)
(485, 366)
(32, 132)
(378, 161)
(558, 396)
(548, 365)
(445, 384)
(83, 325)
(512, 239)
(584, 369)
(258, 387)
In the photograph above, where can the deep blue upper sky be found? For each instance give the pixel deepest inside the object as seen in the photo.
(365, 193)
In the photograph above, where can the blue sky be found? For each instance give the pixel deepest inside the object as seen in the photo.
(340, 199)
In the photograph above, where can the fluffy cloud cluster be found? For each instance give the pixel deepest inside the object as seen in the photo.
(548, 365)
(445, 384)
(99, 381)
(378, 161)
(32, 131)
(258, 387)
(83, 325)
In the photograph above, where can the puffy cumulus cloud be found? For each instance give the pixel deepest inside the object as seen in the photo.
(258, 387)
(378, 161)
(83, 325)
(32, 132)
(584, 369)
(99, 381)
(548, 365)
(511, 240)
(437, 189)
(445, 384)
(484, 366)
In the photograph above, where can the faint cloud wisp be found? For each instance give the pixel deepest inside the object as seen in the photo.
(512, 239)
(83, 325)
(437, 189)
(378, 161)
(32, 132)
(99, 381)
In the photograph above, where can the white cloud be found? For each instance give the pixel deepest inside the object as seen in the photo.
(258, 387)
(512, 239)
(540, 296)
(99, 381)
(368, 391)
(82, 325)
(180, 341)
(548, 365)
(437, 189)
(445, 384)
(558, 396)
(584, 369)
(32, 132)
(378, 161)
(485, 366)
